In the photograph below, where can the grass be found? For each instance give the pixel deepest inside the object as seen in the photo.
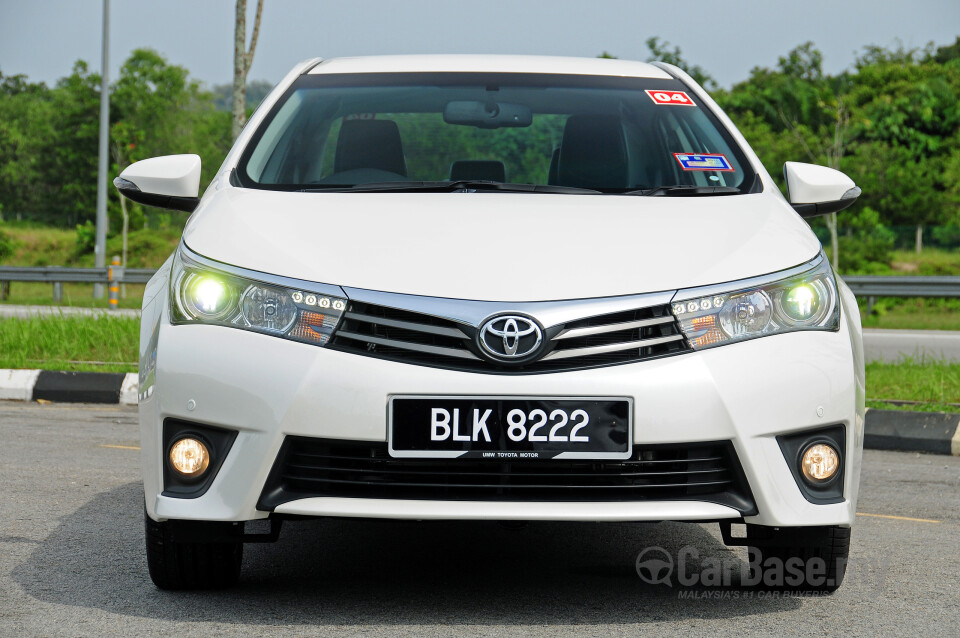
(35, 245)
(934, 384)
(930, 261)
(99, 344)
(912, 313)
(37, 294)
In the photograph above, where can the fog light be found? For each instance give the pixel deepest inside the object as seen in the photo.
(820, 463)
(189, 457)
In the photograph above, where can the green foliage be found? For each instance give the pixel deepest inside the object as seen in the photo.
(49, 136)
(86, 237)
(866, 243)
(892, 124)
(7, 245)
(660, 51)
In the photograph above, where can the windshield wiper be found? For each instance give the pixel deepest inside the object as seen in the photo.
(682, 190)
(449, 187)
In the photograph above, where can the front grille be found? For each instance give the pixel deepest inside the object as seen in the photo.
(308, 467)
(604, 340)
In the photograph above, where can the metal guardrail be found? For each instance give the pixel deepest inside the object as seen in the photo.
(869, 286)
(908, 286)
(112, 275)
(52, 274)
(873, 286)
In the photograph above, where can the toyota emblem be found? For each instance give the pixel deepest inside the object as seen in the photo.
(510, 337)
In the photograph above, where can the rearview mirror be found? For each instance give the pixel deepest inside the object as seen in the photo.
(170, 181)
(487, 114)
(817, 190)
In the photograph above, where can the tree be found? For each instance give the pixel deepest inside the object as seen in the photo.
(798, 101)
(908, 125)
(242, 59)
(660, 51)
(71, 156)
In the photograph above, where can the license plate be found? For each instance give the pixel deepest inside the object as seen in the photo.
(510, 428)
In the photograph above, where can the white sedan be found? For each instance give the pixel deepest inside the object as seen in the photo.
(496, 288)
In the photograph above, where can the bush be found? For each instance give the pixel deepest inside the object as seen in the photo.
(865, 243)
(86, 238)
(7, 244)
(946, 236)
(145, 248)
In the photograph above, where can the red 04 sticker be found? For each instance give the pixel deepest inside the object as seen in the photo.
(674, 98)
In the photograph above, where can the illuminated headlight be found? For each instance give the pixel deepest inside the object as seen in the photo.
(203, 294)
(799, 299)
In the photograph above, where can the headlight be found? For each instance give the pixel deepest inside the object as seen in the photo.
(212, 294)
(803, 298)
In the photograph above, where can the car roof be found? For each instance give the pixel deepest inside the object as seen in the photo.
(489, 64)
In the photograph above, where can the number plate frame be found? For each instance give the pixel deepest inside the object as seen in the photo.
(511, 450)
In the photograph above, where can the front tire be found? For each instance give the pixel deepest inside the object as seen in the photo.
(193, 555)
(802, 559)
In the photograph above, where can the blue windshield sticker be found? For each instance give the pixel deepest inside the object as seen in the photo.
(704, 162)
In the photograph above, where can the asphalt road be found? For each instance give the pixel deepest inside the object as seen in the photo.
(893, 345)
(72, 564)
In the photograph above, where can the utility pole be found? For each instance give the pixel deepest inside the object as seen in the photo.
(100, 249)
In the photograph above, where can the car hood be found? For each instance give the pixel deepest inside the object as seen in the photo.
(497, 246)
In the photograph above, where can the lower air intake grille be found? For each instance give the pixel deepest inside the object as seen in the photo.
(308, 467)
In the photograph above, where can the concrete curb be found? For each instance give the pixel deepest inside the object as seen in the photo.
(69, 387)
(930, 432)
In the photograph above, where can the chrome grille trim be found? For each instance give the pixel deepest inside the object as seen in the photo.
(474, 313)
(408, 325)
(584, 352)
(407, 345)
(625, 330)
(613, 327)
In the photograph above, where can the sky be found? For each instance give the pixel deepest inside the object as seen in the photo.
(43, 38)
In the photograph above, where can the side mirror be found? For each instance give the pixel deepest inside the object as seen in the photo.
(817, 190)
(171, 181)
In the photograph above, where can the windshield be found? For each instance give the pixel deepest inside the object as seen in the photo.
(422, 130)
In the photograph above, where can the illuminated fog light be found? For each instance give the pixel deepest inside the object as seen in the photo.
(189, 457)
(820, 463)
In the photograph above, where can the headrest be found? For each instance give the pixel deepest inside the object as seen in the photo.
(492, 170)
(370, 144)
(593, 153)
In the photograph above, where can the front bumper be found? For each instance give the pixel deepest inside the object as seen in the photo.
(268, 388)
